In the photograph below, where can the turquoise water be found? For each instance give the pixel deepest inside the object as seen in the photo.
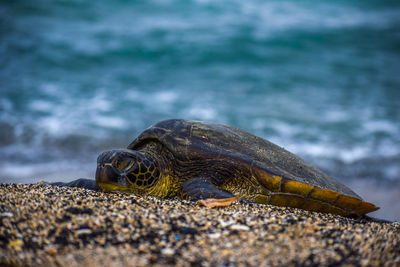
(316, 77)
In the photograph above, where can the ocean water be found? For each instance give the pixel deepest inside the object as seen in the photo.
(320, 78)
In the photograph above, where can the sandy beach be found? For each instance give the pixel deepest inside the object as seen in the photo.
(53, 226)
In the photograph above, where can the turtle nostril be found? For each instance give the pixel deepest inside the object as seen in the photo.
(106, 156)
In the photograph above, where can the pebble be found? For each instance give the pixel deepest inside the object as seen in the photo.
(168, 251)
(239, 227)
(83, 231)
(43, 225)
(214, 235)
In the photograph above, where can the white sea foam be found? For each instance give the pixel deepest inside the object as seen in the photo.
(110, 122)
(133, 94)
(53, 125)
(100, 102)
(373, 126)
(64, 114)
(52, 90)
(267, 18)
(330, 151)
(336, 115)
(387, 149)
(392, 172)
(285, 15)
(165, 97)
(41, 105)
(200, 113)
(284, 128)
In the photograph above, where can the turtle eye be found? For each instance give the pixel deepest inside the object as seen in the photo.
(126, 165)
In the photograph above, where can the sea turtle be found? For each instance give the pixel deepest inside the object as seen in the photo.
(217, 164)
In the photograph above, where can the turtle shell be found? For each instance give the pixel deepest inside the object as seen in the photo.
(291, 180)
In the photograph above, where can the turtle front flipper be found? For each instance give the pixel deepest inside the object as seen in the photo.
(205, 193)
(81, 183)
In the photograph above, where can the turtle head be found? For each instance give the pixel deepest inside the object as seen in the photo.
(126, 170)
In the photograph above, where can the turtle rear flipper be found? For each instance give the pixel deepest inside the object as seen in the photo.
(81, 183)
(206, 193)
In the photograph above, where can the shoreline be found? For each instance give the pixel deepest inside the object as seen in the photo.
(54, 226)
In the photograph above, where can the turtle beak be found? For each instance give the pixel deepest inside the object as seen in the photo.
(105, 172)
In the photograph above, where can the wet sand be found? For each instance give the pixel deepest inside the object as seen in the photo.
(53, 226)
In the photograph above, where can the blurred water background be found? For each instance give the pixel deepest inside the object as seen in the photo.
(320, 78)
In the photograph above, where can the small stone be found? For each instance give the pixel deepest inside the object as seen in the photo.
(226, 223)
(51, 250)
(168, 251)
(84, 231)
(214, 235)
(16, 243)
(239, 227)
(188, 230)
